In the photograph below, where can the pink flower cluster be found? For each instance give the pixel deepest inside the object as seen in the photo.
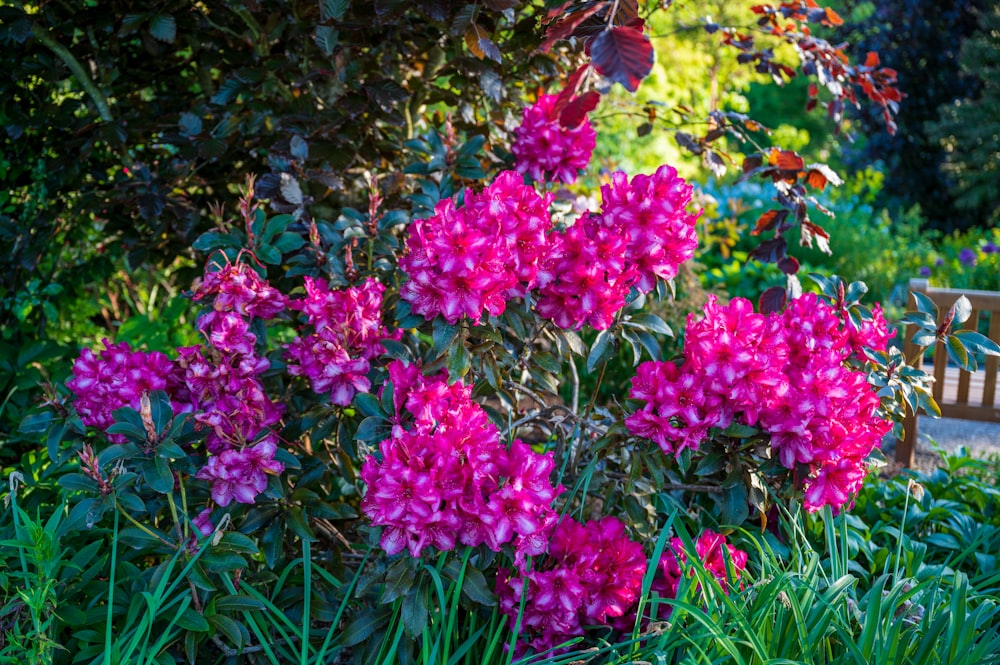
(591, 576)
(711, 549)
(116, 378)
(347, 334)
(444, 476)
(643, 234)
(464, 260)
(546, 150)
(224, 386)
(789, 374)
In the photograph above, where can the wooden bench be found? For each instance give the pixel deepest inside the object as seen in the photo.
(952, 386)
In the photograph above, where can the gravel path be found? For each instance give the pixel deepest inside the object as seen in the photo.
(982, 439)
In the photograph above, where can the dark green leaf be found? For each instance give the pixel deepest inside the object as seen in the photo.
(36, 422)
(299, 526)
(414, 612)
(362, 626)
(333, 9)
(77, 482)
(189, 619)
(189, 124)
(326, 39)
(164, 28)
(216, 561)
(476, 588)
(600, 351)
(237, 603)
(228, 627)
(735, 508)
(652, 323)
(288, 242)
(459, 362)
(158, 474)
(443, 336)
(398, 580)
(213, 240)
(368, 405)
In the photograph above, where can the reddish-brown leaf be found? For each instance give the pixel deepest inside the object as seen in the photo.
(577, 109)
(623, 54)
(788, 265)
(832, 18)
(768, 221)
(772, 300)
(871, 60)
(473, 35)
(565, 26)
(786, 160)
(501, 5)
(816, 180)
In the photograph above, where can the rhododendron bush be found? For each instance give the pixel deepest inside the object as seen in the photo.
(392, 392)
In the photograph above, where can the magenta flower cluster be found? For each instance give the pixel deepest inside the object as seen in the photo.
(712, 550)
(643, 234)
(443, 477)
(116, 377)
(464, 261)
(790, 374)
(220, 383)
(346, 335)
(591, 576)
(546, 150)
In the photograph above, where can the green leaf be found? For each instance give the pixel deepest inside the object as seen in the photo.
(163, 28)
(372, 428)
(275, 226)
(189, 619)
(364, 625)
(476, 588)
(368, 405)
(735, 506)
(443, 336)
(36, 423)
(459, 362)
(269, 254)
(228, 627)
(958, 354)
(326, 39)
(238, 603)
(138, 539)
(189, 124)
(738, 431)
(288, 242)
(600, 351)
(216, 561)
(414, 612)
(333, 9)
(299, 526)
(77, 482)
(398, 580)
(962, 309)
(925, 305)
(159, 476)
(652, 323)
(977, 343)
(234, 541)
(213, 240)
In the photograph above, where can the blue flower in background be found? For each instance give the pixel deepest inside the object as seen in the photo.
(967, 257)
(925, 271)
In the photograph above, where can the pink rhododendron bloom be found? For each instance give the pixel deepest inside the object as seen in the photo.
(592, 575)
(464, 261)
(650, 211)
(711, 549)
(792, 374)
(546, 150)
(241, 474)
(347, 335)
(584, 278)
(116, 377)
(443, 476)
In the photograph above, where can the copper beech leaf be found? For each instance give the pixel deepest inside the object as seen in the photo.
(623, 54)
